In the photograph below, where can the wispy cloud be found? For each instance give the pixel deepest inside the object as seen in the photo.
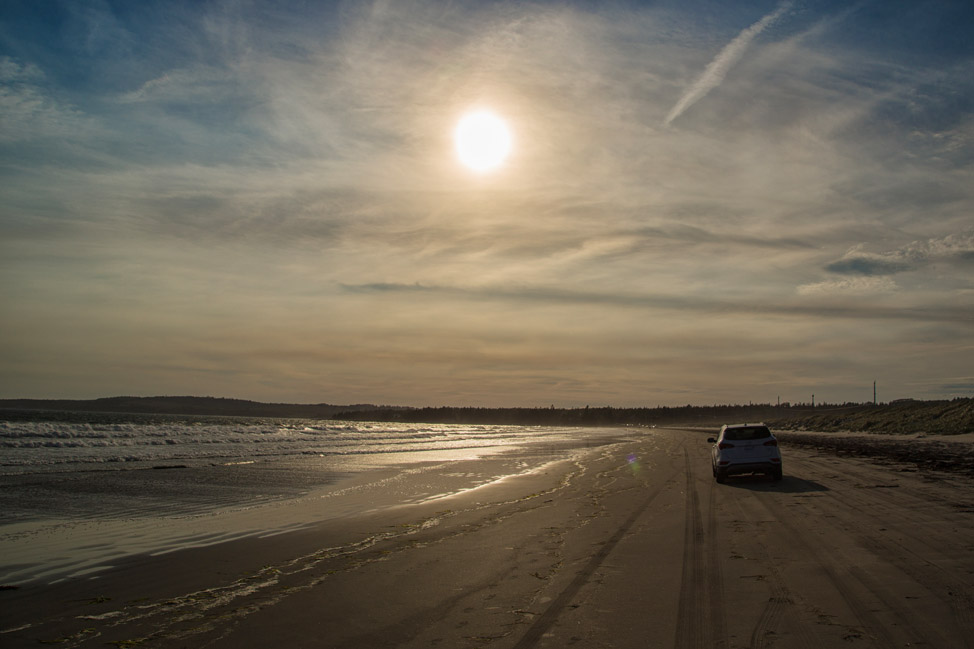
(952, 248)
(27, 111)
(856, 286)
(859, 262)
(718, 68)
(850, 286)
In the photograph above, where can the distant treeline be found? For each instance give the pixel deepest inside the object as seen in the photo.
(601, 416)
(905, 416)
(908, 416)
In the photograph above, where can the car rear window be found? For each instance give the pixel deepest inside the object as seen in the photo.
(751, 432)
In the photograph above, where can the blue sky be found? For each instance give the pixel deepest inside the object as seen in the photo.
(706, 202)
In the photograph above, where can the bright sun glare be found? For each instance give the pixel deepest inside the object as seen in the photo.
(482, 140)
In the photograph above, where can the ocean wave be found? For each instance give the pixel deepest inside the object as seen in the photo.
(28, 444)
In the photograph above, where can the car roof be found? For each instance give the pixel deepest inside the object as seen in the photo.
(744, 425)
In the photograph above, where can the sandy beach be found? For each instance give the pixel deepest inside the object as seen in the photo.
(630, 544)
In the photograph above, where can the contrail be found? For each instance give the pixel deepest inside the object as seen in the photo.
(717, 69)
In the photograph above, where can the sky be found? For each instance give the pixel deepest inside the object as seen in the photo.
(704, 201)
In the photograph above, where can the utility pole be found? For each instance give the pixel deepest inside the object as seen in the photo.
(874, 393)
(813, 400)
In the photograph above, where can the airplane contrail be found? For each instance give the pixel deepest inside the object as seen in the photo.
(717, 69)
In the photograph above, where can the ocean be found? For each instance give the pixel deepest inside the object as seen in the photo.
(81, 491)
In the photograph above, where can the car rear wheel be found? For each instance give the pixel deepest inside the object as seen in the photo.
(720, 476)
(777, 474)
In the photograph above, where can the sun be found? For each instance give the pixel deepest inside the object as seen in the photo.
(482, 140)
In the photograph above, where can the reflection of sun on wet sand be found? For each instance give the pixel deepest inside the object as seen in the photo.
(630, 544)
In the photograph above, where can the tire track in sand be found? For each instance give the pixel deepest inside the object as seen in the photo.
(781, 602)
(915, 549)
(546, 619)
(700, 620)
(839, 575)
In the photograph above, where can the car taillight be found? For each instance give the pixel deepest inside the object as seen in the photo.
(771, 442)
(724, 445)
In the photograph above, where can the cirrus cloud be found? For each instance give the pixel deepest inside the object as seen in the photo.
(851, 286)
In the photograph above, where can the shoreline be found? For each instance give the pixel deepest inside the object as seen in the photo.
(230, 569)
(42, 550)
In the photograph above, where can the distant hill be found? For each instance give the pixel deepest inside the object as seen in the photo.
(899, 417)
(186, 406)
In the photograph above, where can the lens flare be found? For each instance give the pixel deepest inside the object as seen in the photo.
(633, 463)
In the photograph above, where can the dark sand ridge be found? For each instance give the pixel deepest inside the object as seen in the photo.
(600, 553)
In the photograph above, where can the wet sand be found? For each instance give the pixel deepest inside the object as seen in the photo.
(632, 545)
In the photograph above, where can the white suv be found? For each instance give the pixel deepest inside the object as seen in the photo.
(745, 448)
